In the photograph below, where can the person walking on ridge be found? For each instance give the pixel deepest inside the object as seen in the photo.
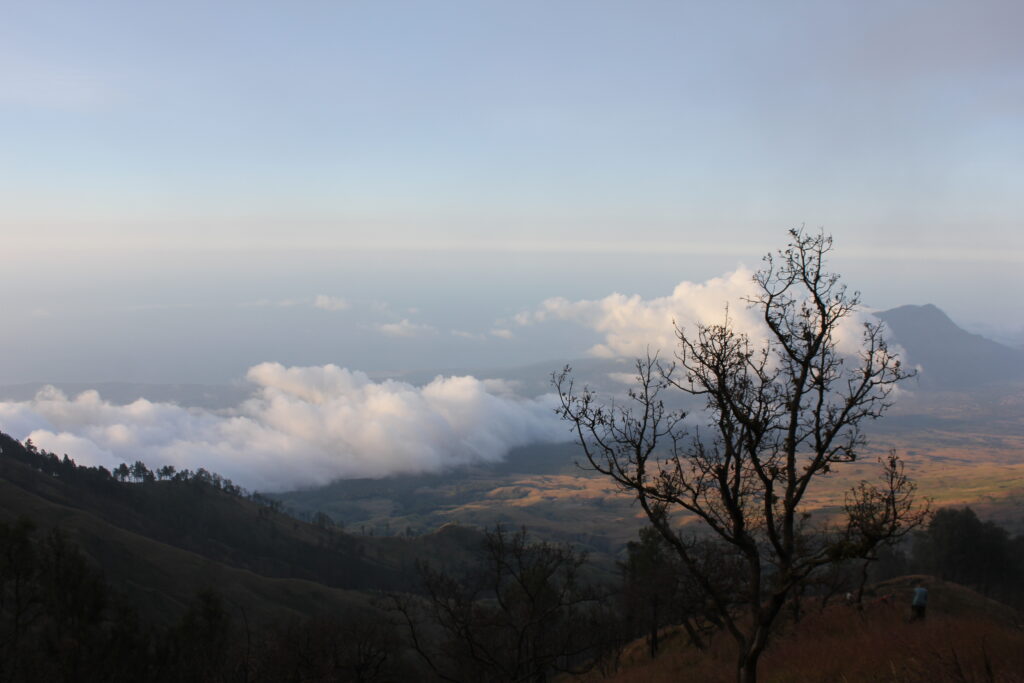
(919, 603)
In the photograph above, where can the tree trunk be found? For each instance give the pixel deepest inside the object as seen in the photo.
(747, 672)
(653, 639)
(695, 638)
(863, 582)
(751, 654)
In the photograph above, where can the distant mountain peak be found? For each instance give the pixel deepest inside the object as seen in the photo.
(949, 356)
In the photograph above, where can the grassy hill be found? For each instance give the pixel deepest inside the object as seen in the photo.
(965, 637)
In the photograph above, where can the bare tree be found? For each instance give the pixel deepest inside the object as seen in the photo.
(882, 514)
(779, 413)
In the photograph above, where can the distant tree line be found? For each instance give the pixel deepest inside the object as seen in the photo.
(957, 546)
(139, 473)
(50, 463)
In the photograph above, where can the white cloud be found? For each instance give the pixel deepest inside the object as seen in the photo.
(273, 303)
(406, 328)
(322, 301)
(499, 332)
(302, 426)
(631, 324)
(330, 303)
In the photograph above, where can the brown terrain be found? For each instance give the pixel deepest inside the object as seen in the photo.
(964, 637)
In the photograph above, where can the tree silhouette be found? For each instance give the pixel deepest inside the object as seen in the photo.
(957, 546)
(778, 414)
(879, 515)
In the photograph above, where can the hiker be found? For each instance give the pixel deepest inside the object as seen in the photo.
(919, 603)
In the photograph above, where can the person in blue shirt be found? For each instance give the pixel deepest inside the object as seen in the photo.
(919, 603)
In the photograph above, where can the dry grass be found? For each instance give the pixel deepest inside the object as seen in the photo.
(965, 638)
(952, 468)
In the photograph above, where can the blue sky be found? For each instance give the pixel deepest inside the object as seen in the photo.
(510, 124)
(509, 143)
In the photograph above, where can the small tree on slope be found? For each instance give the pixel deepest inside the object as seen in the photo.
(779, 414)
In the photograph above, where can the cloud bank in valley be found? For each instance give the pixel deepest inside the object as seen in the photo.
(303, 426)
(631, 325)
(306, 426)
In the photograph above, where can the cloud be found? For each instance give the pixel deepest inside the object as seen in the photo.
(499, 332)
(322, 301)
(330, 303)
(302, 426)
(274, 303)
(632, 324)
(405, 328)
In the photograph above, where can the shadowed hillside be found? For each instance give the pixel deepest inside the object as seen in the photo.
(950, 357)
(160, 541)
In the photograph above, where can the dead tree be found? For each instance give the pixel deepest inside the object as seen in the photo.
(879, 515)
(778, 413)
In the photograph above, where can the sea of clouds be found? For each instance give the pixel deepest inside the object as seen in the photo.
(302, 426)
(306, 426)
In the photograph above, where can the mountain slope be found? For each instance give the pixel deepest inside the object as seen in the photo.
(950, 358)
(164, 540)
(161, 579)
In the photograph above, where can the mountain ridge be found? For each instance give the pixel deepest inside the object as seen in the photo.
(949, 357)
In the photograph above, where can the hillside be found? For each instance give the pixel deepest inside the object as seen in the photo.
(950, 357)
(965, 637)
(161, 541)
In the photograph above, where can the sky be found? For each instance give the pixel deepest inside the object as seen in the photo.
(527, 125)
(192, 190)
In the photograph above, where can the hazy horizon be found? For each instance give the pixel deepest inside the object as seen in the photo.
(184, 181)
(205, 317)
(344, 192)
